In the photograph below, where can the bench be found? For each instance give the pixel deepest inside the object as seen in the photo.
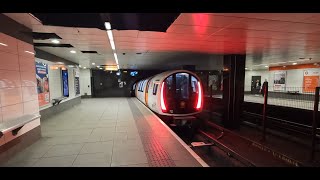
(57, 101)
(293, 92)
(15, 125)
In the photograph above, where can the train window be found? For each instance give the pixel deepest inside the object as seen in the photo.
(143, 85)
(155, 87)
(169, 85)
(182, 85)
(139, 88)
(194, 84)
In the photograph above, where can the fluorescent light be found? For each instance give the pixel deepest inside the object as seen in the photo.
(3, 44)
(70, 65)
(266, 66)
(60, 62)
(107, 25)
(84, 67)
(109, 32)
(56, 41)
(29, 52)
(294, 63)
(112, 45)
(73, 51)
(93, 63)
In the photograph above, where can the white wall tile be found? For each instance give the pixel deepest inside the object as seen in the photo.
(23, 47)
(12, 44)
(10, 96)
(28, 78)
(0, 115)
(9, 79)
(11, 112)
(31, 107)
(29, 93)
(26, 63)
(9, 61)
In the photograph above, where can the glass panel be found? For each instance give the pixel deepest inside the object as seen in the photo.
(182, 85)
(194, 84)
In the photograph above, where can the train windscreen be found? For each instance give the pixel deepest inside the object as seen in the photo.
(181, 93)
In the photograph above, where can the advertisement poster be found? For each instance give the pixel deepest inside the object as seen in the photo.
(65, 84)
(310, 80)
(76, 81)
(279, 81)
(213, 82)
(42, 83)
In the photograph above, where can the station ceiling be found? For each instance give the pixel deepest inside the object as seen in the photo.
(150, 42)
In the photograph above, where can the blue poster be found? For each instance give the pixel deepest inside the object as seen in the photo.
(65, 85)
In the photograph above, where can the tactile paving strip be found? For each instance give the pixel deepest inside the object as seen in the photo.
(156, 154)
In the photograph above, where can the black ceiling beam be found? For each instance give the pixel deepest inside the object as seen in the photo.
(121, 21)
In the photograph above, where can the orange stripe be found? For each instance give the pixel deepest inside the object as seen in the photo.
(298, 66)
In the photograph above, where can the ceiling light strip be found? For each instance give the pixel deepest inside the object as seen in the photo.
(111, 40)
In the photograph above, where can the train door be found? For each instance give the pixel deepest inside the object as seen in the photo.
(146, 93)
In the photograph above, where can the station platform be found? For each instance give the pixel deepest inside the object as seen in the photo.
(107, 132)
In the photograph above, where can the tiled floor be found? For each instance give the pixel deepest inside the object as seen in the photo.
(99, 132)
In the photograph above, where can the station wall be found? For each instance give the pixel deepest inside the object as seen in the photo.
(294, 78)
(85, 82)
(18, 94)
(55, 82)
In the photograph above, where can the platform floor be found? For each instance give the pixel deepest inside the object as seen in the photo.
(107, 132)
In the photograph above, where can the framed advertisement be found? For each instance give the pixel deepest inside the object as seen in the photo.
(279, 83)
(310, 80)
(65, 83)
(42, 83)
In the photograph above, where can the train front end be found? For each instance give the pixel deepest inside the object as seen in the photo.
(181, 94)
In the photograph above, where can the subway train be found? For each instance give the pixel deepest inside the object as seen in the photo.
(175, 94)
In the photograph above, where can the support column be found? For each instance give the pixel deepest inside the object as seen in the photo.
(233, 89)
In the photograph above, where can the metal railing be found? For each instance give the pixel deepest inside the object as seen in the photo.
(294, 97)
(300, 97)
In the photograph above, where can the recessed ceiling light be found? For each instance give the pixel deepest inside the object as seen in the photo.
(79, 65)
(60, 62)
(98, 66)
(56, 41)
(93, 63)
(107, 25)
(84, 67)
(2, 44)
(73, 51)
(245, 68)
(266, 66)
(294, 63)
(70, 65)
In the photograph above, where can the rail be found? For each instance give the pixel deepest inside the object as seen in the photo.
(230, 151)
